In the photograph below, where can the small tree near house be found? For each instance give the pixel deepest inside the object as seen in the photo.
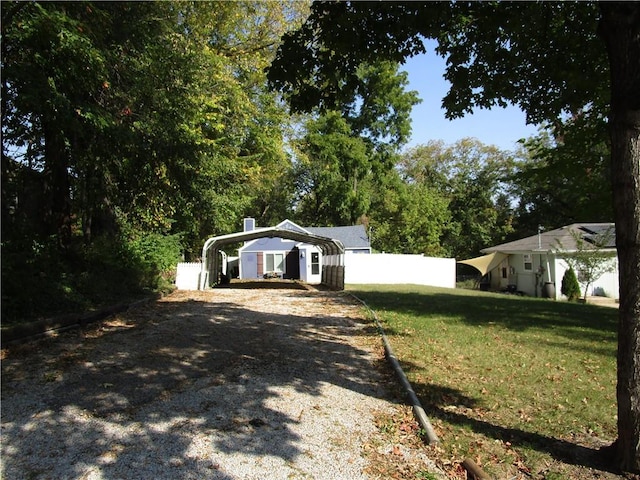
(570, 287)
(589, 260)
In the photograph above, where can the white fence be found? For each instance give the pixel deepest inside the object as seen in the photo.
(188, 276)
(388, 268)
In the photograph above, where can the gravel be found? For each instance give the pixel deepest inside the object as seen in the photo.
(223, 384)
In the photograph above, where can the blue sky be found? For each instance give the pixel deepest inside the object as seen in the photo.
(502, 127)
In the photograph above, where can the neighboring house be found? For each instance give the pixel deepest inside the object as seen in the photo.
(289, 259)
(535, 266)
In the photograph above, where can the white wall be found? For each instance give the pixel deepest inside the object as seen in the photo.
(388, 268)
(554, 269)
(377, 268)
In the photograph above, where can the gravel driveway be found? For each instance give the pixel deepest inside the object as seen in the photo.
(223, 384)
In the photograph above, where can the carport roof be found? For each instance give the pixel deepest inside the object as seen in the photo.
(329, 246)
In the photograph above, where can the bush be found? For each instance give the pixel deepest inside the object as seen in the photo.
(40, 280)
(155, 256)
(570, 287)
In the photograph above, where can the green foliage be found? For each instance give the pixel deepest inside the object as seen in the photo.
(381, 108)
(330, 173)
(570, 287)
(317, 65)
(155, 256)
(471, 178)
(564, 176)
(484, 44)
(110, 270)
(126, 123)
(407, 218)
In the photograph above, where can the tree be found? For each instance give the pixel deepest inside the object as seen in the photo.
(153, 114)
(562, 176)
(407, 218)
(495, 58)
(470, 177)
(331, 173)
(129, 121)
(380, 111)
(570, 287)
(343, 150)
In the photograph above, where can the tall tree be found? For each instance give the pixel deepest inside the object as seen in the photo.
(124, 121)
(150, 114)
(471, 177)
(380, 110)
(362, 138)
(406, 217)
(495, 58)
(331, 173)
(563, 176)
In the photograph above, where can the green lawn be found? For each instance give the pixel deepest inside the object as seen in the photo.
(525, 387)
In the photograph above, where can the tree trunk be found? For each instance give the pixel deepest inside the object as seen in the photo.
(58, 209)
(620, 29)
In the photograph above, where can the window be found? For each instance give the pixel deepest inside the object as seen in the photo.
(275, 262)
(315, 263)
(528, 262)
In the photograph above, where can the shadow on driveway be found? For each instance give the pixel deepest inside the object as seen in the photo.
(127, 399)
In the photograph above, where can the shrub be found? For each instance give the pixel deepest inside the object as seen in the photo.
(155, 257)
(40, 280)
(570, 287)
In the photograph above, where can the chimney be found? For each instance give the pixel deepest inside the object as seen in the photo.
(249, 224)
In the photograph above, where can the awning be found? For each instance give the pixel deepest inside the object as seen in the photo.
(486, 263)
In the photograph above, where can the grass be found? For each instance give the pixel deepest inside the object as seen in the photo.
(525, 387)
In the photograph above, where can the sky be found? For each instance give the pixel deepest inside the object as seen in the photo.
(501, 127)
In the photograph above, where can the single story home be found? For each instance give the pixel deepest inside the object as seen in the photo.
(535, 265)
(292, 259)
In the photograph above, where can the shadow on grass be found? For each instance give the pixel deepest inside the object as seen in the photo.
(589, 323)
(561, 450)
(130, 400)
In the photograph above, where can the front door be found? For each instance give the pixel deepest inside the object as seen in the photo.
(293, 264)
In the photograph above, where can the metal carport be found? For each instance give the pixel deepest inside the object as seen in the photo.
(332, 253)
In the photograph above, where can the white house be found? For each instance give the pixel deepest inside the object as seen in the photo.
(292, 259)
(535, 266)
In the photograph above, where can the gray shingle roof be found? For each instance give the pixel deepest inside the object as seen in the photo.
(548, 241)
(352, 237)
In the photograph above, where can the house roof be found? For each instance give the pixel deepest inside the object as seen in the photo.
(560, 238)
(352, 237)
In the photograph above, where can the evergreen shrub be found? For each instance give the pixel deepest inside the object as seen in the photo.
(570, 287)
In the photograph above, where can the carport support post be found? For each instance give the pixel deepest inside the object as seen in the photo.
(215, 268)
(204, 272)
